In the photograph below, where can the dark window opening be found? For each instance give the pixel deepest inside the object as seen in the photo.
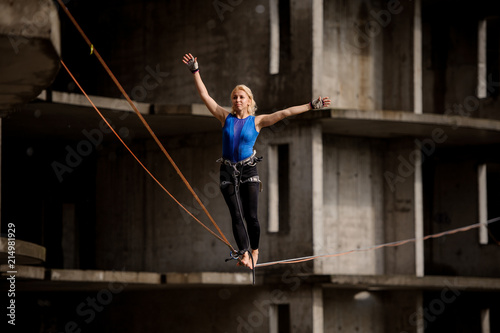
(284, 187)
(284, 318)
(285, 32)
(493, 56)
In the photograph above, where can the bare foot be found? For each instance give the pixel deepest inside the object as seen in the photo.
(245, 260)
(255, 256)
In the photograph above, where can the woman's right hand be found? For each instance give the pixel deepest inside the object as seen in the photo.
(191, 62)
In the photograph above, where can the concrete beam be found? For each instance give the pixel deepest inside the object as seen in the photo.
(29, 50)
(419, 283)
(76, 275)
(72, 279)
(26, 253)
(192, 109)
(209, 278)
(391, 282)
(453, 130)
(108, 103)
(24, 272)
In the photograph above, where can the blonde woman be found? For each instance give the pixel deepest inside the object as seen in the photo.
(239, 179)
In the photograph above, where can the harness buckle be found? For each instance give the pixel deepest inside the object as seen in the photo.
(234, 255)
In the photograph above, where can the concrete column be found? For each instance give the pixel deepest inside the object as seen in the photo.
(482, 203)
(485, 321)
(417, 59)
(274, 49)
(419, 320)
(317, 193)
(317, 311)
(317, 53)
(419, 217)
(273, 224)
(482, 87)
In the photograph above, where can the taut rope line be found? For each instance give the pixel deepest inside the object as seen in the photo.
(375, 247)
(115, 80)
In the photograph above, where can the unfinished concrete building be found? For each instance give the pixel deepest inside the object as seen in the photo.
(409, 148)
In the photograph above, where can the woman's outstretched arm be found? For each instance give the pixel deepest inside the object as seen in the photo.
(266, 120)
(217, 111)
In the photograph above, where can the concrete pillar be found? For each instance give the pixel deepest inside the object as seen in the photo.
(317, 311)
(274, 48)
(419, 320)
(485, 321)
(317, 193)
(417, 58)
(482, 203)
(317, 52)
(306, 309)
(419, 216)
(482, 87)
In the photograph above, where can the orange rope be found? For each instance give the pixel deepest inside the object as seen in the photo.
(142, 165)
(103, 63)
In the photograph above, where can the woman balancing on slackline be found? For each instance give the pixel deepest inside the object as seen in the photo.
(239, 179)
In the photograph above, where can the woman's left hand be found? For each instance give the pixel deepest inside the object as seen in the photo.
(321, 102)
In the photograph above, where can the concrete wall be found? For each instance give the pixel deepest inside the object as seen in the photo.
(352, 63)
(230, 38)
(399, 205)
(366, 59)
(368, 200)
(297, 240)
(353, 204)
(353, 311)
(148, 230)
(368, 48)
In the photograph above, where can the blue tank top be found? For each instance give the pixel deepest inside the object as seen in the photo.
(238, 138)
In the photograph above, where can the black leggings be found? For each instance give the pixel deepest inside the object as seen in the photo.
(248, 199)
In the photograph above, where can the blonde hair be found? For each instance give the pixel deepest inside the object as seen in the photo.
(253, 106)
